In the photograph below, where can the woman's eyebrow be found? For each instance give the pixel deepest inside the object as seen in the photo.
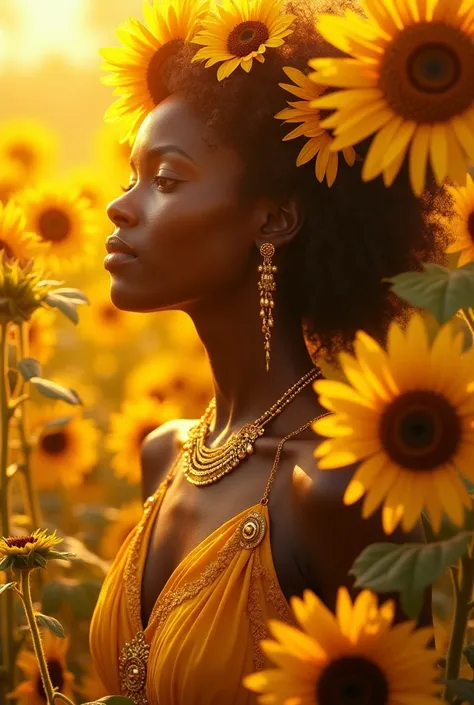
(161, 151)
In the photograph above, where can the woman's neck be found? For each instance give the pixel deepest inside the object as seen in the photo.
(231, 333)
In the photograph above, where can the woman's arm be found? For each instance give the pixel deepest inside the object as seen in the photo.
(332, 535)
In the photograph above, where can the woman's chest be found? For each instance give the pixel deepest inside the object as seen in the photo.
(187, 516)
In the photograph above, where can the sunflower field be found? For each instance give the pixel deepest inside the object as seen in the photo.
(83, 383)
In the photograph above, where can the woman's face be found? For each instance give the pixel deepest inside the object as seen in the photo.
(190, 229)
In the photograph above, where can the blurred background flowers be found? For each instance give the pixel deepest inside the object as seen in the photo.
(62, 165)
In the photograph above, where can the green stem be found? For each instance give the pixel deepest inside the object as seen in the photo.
(35, 634)
(31, 493)
(7, 604)
(463, 584)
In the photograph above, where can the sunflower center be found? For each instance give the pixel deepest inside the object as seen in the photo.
(247, 37)
(427, 72)
(56, 673)
(21, 153)
(156, 75)
(470, 225)
(352, 680)
(54, 225)
(6, 248)
(420, 430)
(20, 541)
(54, 443)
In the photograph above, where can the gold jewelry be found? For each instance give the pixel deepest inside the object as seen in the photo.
(266, 286)
(203, 466)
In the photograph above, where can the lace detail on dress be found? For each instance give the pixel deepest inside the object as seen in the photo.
(273, 595)
(132, 586)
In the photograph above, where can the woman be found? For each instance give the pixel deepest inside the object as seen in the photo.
(212, 181)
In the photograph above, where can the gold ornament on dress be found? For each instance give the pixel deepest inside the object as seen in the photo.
(133, 662)
(203, 465)
(252, 530)
(266, 287)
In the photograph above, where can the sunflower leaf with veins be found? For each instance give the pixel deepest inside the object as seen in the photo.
(441, 291)
(407, 568)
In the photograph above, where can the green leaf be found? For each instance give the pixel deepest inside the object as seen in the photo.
(441, 291)
(462, 688)
(50, 623)
(407, 568)
(64, 305)
(6, 586)
(29, 367)
(468, 652)
(74, 295)
(52, 390)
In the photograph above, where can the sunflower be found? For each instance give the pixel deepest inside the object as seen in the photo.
(354, 656)
(137, 68)
(41, 335)
(31, 691)
(105, 324)
(129, 428)
(183, 380)
(15, 241)
(63, 453)
(238, 31)
(27, 552)
(117, 531)
(94, 185)
(410, 79)
(64, 220)
(319, 140)
(28, 144)
(408, 414)
(464, 232)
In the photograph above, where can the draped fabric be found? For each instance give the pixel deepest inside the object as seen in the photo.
(205, 627)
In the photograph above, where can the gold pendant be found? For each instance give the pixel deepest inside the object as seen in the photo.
(133, 661)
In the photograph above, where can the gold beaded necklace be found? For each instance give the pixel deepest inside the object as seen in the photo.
(203, 465)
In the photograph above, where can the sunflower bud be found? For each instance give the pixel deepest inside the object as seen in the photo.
(30, 552)
(22, 290)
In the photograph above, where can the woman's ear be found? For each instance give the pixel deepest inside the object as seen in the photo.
(282, 224)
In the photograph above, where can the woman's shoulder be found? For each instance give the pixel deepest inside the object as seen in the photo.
(159, 450)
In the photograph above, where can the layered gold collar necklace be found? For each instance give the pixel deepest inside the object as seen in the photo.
(203, 465)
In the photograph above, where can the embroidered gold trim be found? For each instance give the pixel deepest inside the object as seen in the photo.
(273, 595)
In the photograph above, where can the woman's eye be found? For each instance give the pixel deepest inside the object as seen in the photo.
(165, 183)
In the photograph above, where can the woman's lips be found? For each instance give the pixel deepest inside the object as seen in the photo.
(117, 259)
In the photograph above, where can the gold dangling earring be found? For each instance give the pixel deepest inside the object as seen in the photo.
(266, 286)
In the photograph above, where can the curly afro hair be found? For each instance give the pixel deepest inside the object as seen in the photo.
(354, 234)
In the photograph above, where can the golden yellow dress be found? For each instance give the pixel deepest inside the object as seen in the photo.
(204, 631)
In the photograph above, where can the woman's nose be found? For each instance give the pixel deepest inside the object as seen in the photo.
(120, 214)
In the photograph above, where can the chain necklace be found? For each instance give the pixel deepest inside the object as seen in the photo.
(203, 465)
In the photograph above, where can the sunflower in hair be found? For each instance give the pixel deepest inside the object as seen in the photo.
(409, 81)
(236, 33)
(319, 140)
(136, 68)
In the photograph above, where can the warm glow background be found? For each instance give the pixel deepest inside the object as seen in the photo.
(50, 67)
